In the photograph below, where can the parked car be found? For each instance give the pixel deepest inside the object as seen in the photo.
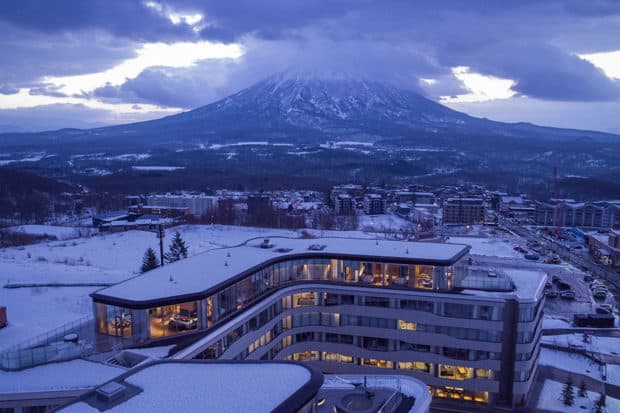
(555, 278)
(532, 257)
(588, 278)
(553, 260)
(596, 284)
(601, 310)
(610, 307)
(567, 295)
(600, 294)
(551, 294)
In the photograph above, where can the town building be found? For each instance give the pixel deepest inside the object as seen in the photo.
(343, 204)
(605, 247)
(167, 211)
(569, 213)
(374, 204)
(198, 204)
(463, 211)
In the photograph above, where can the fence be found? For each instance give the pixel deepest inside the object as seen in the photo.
(51, 346)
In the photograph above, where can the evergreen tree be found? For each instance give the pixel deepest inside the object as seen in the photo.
(177, 249)
(149, 261)
(600, 403)
(582, 389)
(567, 392)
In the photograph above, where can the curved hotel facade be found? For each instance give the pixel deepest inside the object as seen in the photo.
(345, 305)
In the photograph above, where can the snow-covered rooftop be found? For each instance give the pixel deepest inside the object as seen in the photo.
(207, 387)
(65, 376)
(204, 271)
(528, 284)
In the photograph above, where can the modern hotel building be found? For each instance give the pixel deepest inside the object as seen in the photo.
(346, 305)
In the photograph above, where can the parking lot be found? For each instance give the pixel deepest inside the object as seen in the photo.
(583, 303)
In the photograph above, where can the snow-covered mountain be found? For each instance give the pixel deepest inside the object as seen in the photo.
(310, 108)
(310, 102)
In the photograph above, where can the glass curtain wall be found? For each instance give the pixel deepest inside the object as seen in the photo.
(180, 318)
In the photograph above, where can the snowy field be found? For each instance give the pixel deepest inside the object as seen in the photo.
(599, 345)
(551, 400)
(103, 258)
(570, 362)
(62, 233)
(384, 223)
(496, 247)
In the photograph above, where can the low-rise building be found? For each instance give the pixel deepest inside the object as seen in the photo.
(198, 204)
(605, 247)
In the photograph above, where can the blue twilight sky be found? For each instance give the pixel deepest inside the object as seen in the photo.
(74, 63)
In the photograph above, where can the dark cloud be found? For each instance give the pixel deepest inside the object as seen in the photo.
(28, 56)
(546, 72)
(532, 42)
(8, 90)
(123, 18)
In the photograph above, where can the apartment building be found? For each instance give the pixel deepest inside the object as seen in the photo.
(374, 204)
(463, 211)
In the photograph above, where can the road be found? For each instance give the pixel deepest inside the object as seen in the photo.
(580, 259)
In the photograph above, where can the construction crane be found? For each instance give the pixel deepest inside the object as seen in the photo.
(556, 208)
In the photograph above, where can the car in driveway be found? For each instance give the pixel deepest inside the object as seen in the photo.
(567, 295)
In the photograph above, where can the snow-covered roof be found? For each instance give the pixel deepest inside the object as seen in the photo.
(205, 271)
(64, 376)
(211, 387)
(509, 199)
(528, 285)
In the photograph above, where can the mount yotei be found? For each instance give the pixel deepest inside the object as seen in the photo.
(295, 124)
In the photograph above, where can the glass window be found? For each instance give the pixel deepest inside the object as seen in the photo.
(415, 365)
(455, 372)
(406, 325)
(173, 319)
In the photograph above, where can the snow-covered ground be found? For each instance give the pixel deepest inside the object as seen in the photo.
(554, 322)
(496, 247)
(383, 223)
(551, 400)
(157, 168)
(59, 232)
(34, 311)
(600, 345)
(570, 362)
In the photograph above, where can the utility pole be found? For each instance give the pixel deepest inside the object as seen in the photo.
(160, 235)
